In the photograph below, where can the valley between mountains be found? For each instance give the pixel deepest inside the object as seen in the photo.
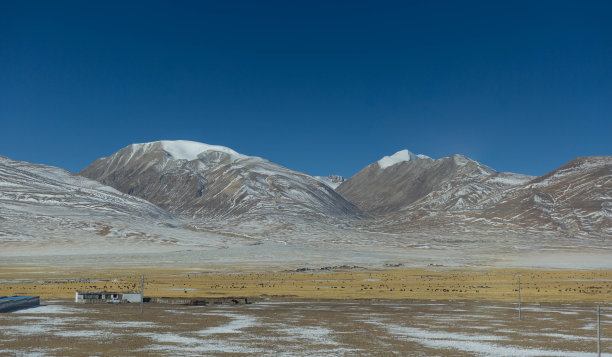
(187, 202)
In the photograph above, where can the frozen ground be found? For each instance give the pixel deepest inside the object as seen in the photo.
(307, 329)
(278, 254)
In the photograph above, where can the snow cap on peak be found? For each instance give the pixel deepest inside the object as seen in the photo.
(400, 156)
(461, 159)
(189, 150)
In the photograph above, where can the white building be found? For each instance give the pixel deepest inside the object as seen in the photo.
(100, 297)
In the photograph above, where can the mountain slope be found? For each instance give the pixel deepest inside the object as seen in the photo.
(35, 186)
(396, 182)
(196, 180)
(332, 181)
(576, 198)
(48, 210)
(459, 196)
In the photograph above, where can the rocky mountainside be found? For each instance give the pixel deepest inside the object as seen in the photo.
(332, 181)
(397, 182)
(46, 210)
(456, 194)
(211, 197)
(576, 198)
(31, 187)
(53, 210)
(201, 181)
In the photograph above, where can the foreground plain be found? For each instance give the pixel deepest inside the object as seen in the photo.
(332, 311)
(305, 328)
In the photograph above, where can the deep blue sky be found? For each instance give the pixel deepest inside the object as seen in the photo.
(320, 87)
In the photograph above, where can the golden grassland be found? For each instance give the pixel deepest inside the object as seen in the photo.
(437, 283)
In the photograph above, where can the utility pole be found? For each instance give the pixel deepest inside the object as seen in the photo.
(598, 334)
(141, 292)
(519, 297)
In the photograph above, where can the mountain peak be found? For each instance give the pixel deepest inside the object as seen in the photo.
(400, 156)
(196, 180)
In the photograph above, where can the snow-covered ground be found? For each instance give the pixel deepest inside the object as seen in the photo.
(281, 252)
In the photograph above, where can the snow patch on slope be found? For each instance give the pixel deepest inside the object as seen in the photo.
(400, 156)
(332, 181)
(510, 179)
(189, 150)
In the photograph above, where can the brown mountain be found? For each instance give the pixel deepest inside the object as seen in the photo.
(576, 198)
(196, 180)
(455, 194)
(449, 183)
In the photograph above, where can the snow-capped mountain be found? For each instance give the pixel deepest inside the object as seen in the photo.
(197, 180)
(456, 194)
(398, 157)
(396, 182)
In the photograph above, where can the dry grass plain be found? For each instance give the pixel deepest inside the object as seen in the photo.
(443, 283)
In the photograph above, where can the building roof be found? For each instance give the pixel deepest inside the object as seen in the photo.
(14, 298)
(107, 292)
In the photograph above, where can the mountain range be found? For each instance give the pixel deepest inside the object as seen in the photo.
(172, 192)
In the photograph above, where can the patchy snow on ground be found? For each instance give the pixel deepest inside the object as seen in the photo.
(313, 334)
(88, 334)
(173, 343)
(237, 323)
(310, 328)
(48, 309)
(478, 344)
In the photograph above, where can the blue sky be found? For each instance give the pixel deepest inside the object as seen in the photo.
(320, 87)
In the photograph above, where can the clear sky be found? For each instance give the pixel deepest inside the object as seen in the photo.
(321, 87)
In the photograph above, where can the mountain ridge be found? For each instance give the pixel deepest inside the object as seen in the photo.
(219, 198)
(215, 183)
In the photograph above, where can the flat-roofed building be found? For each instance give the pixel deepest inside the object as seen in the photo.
(100, 297)
(9, 303)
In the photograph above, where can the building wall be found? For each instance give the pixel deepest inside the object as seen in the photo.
(101, 297)
(131, 297)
